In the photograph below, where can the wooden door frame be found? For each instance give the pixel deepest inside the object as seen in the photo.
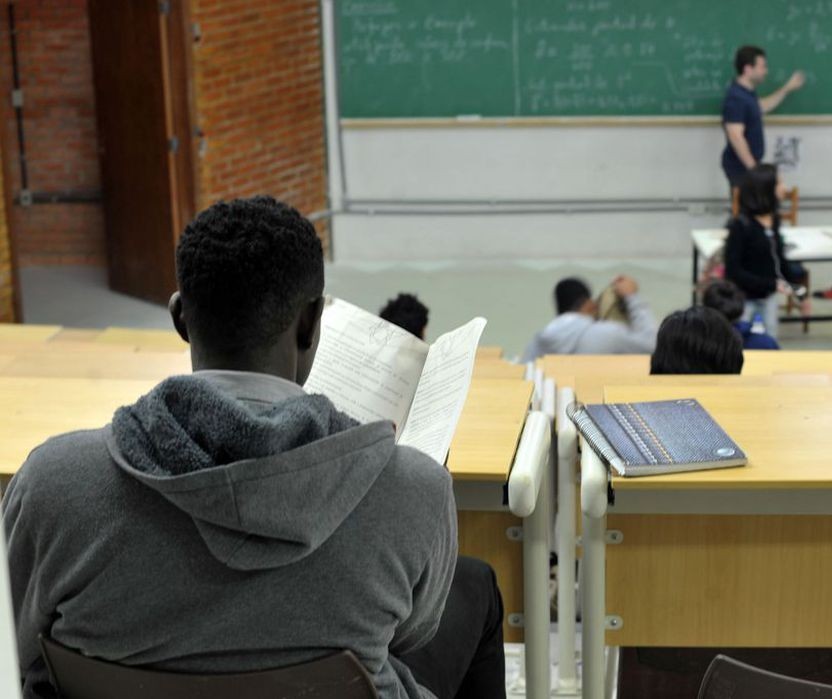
(7, 146)
(181, 85)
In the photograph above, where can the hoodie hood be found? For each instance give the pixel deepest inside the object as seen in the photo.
(265, 485)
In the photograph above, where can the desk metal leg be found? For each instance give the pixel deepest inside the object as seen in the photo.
(536, 528)
(530, 497)
(565, 547)
(594, 520)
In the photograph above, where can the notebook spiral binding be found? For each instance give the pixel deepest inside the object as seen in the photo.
(575, 411)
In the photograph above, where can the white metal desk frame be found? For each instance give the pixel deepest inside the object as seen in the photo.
(600, 672)
(811, 244)
(656, 501)
(531, 497)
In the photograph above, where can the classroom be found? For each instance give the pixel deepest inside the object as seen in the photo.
(415, 350)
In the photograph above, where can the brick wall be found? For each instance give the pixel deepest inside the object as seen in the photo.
(7, 314)
(60, 132)
(259, 101)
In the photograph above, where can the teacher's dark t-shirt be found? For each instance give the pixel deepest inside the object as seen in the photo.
(741, 106)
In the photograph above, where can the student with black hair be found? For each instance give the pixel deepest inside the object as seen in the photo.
(754, 256)
(725, 298)
(697, 341)
(576, 329)
(408, 313)
(230, 522)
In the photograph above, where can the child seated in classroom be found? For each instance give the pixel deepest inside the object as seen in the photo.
(726, 298)
(697, 341)
(408, 313)
(230, 522)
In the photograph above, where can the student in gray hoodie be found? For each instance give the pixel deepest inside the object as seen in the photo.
(575, 329)
(229, 522)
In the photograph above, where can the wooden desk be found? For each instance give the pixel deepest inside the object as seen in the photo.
(794, 362)
(730, 557)
(35, 409)
(480, 460)
(143, 340)
(486, 368)
(486, 352)
(91, 365)
(18, 333)
(489, 429)
(556, 366)
(590, 389)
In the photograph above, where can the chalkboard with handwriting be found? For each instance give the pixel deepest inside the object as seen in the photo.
(450, 58)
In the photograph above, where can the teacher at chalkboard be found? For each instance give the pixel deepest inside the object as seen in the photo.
(742, 112)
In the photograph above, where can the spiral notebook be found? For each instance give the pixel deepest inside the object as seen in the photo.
(657, 437)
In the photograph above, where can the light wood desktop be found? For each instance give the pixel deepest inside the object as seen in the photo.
(590, 388)
(730, 557)
(556, 366)
(489, 368)
(117, 364)
(784, 361)
(26, 333)
(490, 352)
(36, 408)
(143, 340)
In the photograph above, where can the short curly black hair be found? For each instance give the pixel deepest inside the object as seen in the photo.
(407, 312)
(698, 340)
(726, 298)
(244, 268)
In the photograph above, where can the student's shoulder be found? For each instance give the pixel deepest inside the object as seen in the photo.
(412, 471)
(62, 461)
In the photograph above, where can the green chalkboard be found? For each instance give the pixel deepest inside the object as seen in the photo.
(446, 58)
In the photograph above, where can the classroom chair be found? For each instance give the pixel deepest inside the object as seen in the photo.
(337, 676)
(727, 678)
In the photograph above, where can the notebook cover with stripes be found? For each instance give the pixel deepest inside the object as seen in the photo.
(648, 439)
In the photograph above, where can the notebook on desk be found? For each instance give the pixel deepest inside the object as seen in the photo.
(657, 437)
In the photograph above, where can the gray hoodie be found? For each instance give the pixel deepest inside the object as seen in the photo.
(228, 522)
(578, 333)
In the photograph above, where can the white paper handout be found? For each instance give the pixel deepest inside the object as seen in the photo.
(374, 370)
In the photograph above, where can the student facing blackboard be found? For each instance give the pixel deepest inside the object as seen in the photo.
(742, 112)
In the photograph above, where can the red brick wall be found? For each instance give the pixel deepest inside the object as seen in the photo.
(259, 101)
(60, 132)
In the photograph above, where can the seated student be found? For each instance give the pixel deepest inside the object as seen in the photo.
(576, 329)
(696, 341)
(408, 313)
(229, 522)
(725, 298)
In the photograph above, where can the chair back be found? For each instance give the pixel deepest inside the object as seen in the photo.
(337, 676)
(788, 215)
(727, 678)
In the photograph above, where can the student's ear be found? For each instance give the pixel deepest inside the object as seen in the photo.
(177, 314)
(309, 324)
